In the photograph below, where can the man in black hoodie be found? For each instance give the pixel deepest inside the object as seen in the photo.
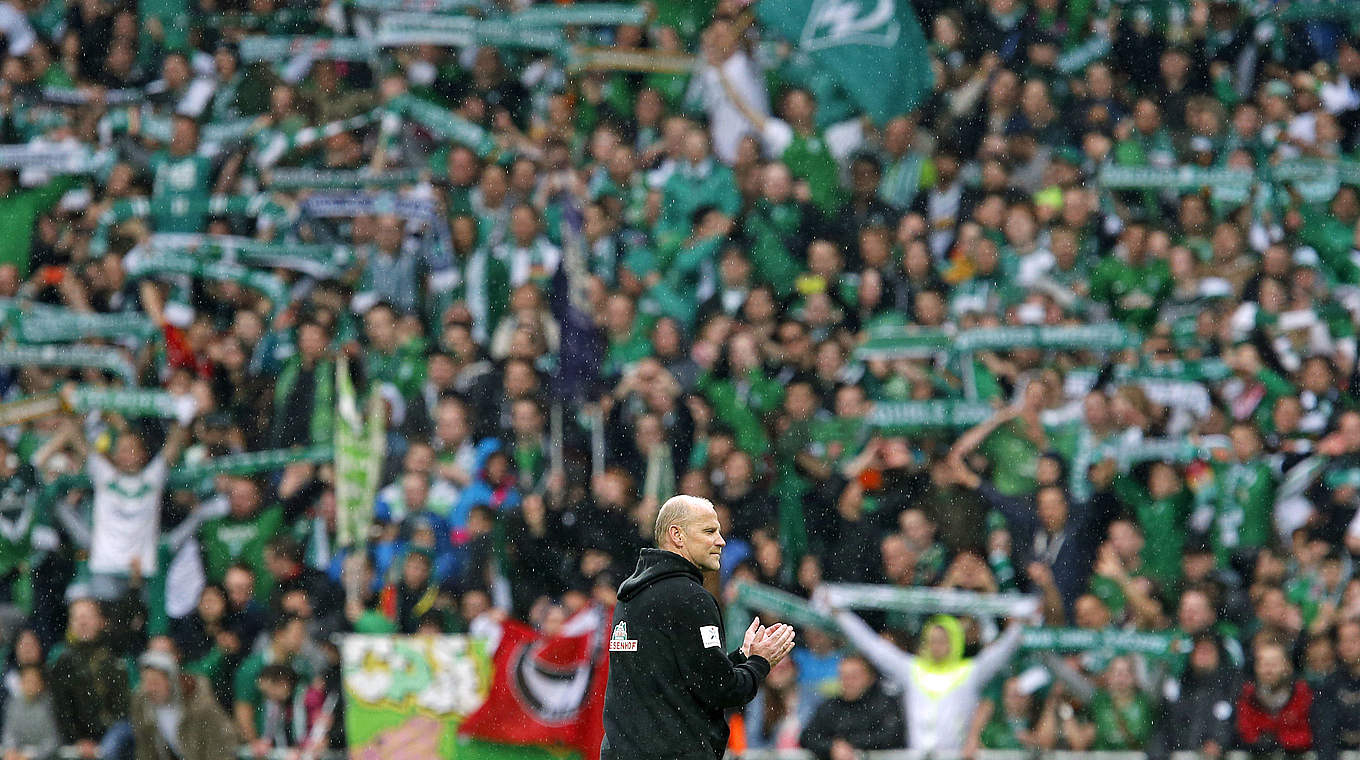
(670, 681)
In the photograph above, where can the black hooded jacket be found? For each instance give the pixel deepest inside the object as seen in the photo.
(670, 682)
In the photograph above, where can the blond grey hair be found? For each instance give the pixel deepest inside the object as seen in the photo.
(678, 510)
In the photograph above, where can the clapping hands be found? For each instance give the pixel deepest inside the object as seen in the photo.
(773, 643)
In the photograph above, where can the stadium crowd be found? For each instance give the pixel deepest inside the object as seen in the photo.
(578, 290)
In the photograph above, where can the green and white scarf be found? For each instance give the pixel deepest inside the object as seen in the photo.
(905, 417)
(927, 601)
(76, 356)
(268, 214)
(248, 463)
(313, 259)
(299, 178)
(126, 402)
(144, 263)
(55, 159)
(46, 324)
(582, 14)
(444, 123)
(400, 29)
(320, 48)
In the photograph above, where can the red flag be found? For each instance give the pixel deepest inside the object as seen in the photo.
(547, 690)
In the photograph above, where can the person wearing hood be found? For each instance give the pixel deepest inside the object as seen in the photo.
(174, 714)
(1197, 707)
(940, 687)
(670, 682)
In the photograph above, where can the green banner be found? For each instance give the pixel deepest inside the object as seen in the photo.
(1188, 371)
(792, 609)
(55, 159)
(406, 696)
(898, 342)
(1184, 177)
(874, 48)
(785, 606)
(416, 6)
(360, 446)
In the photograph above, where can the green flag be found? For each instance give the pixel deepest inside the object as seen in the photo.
(874, 47)
(359, 450)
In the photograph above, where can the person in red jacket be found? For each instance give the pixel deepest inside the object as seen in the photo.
(1272, 710)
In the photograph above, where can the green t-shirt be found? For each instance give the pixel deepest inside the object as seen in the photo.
(1125, 727)
(228, 540)
(1244, 510)
(402, 368)
(186, 182)
(1133, 293)
(1014, 458)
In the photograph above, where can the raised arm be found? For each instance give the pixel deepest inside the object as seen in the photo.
(891, 661)
(975, 435)
(996, 655)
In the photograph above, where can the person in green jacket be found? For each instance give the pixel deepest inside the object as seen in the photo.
(742, 393)
(1122, 714)
(1132, 283)
(1245, 509)
(1161, 508)
(19, 212)
(241, 534)
(700, 180)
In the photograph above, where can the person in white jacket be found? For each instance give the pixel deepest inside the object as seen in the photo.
(940, 687)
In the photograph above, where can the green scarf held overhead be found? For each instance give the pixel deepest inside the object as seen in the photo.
(144, 263)
(45, 324)
(249, 462)
(582, 14)
(261, 207)
(321, 48)
(930, 600)
(76, 356)
(301, 178)
(401, 29)
(905, 417)
(313, 259)
(56, 159)
(323, 396)
(128, 403)
(444, 123)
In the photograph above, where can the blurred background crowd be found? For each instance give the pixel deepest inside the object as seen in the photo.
(580, 289)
